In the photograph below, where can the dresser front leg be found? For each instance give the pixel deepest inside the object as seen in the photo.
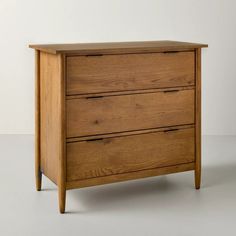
(38, 173)
(62, 199)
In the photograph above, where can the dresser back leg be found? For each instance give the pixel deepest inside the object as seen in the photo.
(38, 178)
(197, 178)
(62, 136)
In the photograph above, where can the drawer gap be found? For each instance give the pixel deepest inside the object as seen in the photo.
(130, 92)
(127, 133)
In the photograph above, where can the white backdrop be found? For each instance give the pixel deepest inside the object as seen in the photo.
(70, 21)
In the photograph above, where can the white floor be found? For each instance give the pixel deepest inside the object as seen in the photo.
(167, 205)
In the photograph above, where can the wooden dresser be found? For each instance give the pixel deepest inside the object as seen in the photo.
(110, 112)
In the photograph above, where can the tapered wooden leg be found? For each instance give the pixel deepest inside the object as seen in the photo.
(38, 179)
(62, 140)
(198, 177)
(62, 199)
(198, 120)
(38, 173)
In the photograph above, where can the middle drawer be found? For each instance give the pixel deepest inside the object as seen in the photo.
(101, 115)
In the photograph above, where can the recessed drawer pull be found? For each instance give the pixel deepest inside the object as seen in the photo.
(171, 52)
(94, 140)
(170, 130)
(94, 55)
(94, 97)
(171, 91)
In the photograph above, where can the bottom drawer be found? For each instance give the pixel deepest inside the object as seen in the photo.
(110, 156)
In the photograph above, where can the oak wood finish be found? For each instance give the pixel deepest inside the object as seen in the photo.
(100, 115)
(52, 121)
(62, 137)
(112, 112)
(198, 119)
(95, 74)
(111, 156)
(118, 47)
(49, 114)
(38, 173)
(130, 176)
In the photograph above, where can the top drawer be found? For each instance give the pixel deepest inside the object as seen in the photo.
(108, 73)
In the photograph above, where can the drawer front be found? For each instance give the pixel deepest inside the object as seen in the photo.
(110, 156)
(129, 112)
(95, 74)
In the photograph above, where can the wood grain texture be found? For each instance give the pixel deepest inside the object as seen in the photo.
(130, 112)
(38, 173)
(130, 176)
(50, 114)
(97, 74)
(110, 156)
(52, 121)
(117, 47)
(198, 120)
(111, 112)
(62, 137)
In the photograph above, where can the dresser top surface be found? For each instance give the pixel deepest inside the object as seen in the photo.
(117, 47)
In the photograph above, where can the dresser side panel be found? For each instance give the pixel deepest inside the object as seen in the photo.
(50, 114)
